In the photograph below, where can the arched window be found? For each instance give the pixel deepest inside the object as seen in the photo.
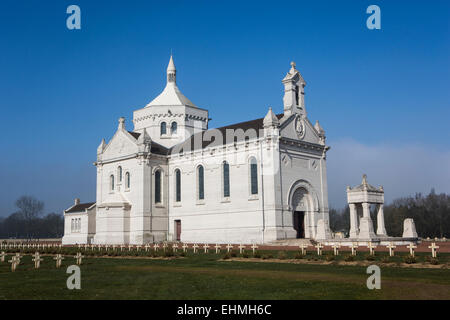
(253, 176)
(111, 182)
(163, 128)
(173, 128)
(226, 179)
(127, 180)
(119, 173)
(158, 186)
(177, 185)
(201, 183)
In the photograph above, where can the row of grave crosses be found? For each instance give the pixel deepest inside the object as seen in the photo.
(29, 245)
(164, 247)
(391, 247)
(36, 258)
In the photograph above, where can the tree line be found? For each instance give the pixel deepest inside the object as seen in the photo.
(28, 222)
(431, 214)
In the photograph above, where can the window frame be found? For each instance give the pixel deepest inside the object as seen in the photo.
(200, 184)
(176, 128)
(162, 125)
(226, 184)
(253, 177)
(111, 183)
(127, 180)
(158, 193)
(119, 174)
(177, 180)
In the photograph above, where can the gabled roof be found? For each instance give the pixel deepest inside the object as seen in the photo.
(188, 144)
(81, 207)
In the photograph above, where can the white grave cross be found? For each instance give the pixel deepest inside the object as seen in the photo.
(391, 248)
(433, 248)
(229, 247)
(205, 247)
(79, 257)
(218, 247)
(254, 247)
(336, 248)
(58, 259)
(14, 263)
(411, 248)
(37, 260)
(303, 247)
(319, 247)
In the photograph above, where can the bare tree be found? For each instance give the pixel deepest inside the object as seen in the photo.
(30, 208)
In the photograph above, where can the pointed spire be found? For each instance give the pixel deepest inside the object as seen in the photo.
(171, 71)
(319, 128)
(171, 66)
(101, 147)
(122, 123)
(270, 120)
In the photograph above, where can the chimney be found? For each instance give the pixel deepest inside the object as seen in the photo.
(77, 201)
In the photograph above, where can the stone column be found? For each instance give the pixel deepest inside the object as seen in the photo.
(353, 221)
(381, 230)
(365, 224)
(366, 209)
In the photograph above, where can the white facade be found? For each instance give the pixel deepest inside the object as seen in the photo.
(255, 181)
(79, 223)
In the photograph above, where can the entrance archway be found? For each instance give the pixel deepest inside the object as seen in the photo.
(303, 204)
(300, 205)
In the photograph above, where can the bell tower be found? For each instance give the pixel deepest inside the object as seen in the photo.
(294, 92)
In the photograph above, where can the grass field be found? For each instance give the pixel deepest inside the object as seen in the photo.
(206, 276)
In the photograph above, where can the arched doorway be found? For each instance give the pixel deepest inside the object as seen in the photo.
(301, 205)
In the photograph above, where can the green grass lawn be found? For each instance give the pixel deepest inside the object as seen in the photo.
(204, 276)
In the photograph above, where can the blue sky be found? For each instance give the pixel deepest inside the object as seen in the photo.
(381, 95)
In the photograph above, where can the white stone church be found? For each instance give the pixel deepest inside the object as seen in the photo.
(173, 179)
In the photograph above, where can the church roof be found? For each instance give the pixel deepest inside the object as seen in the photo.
(189, 143)
(81, 207)
(171, 96)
